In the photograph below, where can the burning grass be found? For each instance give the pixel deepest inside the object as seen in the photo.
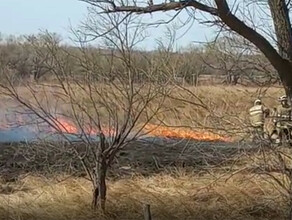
(184, 133)
(225, 113)
(179, 195)
(172, 196)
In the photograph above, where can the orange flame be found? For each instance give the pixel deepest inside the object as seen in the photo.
(162, 131)
(66, 126)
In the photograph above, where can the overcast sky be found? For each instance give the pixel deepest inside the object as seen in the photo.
(29, 16)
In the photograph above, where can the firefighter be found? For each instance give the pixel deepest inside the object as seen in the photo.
(283, 116)
(257, 115)
(284, 109)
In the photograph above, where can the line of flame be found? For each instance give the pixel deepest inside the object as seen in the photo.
(184, 133)
(66, 126)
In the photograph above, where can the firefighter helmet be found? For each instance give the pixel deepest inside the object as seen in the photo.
(257, 102)
(283, 98)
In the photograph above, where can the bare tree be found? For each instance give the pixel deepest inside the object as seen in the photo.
(234, 19)
(239, 61)
(105, 115)
(38, 43)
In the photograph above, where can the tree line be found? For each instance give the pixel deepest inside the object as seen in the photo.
(228, 60)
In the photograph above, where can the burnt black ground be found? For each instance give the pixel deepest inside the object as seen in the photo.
(146, 156)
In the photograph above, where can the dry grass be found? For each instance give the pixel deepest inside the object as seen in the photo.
(227, 106)
(179, 196)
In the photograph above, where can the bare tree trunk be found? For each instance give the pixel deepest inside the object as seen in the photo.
(282, 24)
(229, 79)
(235, 79)
(99, 188)
(102, 185)
(196, 79)
(285, 74)
(147, 212)
(95, 196)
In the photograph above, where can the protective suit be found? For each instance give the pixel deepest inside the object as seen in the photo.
(257, 114)
(283, 115)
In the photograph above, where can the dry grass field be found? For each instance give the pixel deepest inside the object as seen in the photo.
(172, 196)
(175, 192)
(213, 107)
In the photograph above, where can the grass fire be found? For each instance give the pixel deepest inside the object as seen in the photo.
(149, 166)
(181, 133)
(125, 117)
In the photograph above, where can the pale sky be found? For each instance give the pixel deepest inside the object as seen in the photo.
(29, 16)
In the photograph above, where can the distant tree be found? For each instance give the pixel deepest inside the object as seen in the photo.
(232, 18)
(42, 58)
(192, 65)
(16, 57)
(238, 61)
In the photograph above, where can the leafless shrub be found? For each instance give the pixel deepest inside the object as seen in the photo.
(108, 114)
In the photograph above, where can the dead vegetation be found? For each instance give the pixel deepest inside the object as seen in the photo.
(111, 88)
(176, 195)
(180, 179)
(220, 109)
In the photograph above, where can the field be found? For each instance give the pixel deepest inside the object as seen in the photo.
(180, 179)
(172, 196)
(222, 109)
